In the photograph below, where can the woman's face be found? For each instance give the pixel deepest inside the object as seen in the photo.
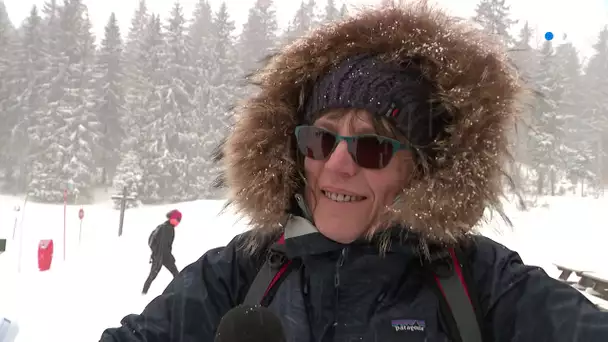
(370, 190)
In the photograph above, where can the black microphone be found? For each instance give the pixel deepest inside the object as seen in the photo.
(247, 323)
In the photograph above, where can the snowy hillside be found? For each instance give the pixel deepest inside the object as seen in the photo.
(102, 277)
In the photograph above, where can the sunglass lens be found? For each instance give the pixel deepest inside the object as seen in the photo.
(315, 143)
(372, 152)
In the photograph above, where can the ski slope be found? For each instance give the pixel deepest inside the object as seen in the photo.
(101, 279)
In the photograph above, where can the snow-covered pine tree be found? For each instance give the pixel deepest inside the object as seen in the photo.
(200, 33)
(526, 59)
(258, 38)
(331, 12)
(136, 87)
(31, 65)
(225, 79)
(9, 109)
(596, 99)
(302, 22)
(343, 11)
(494, 17)
(225, 90)
(178, 126)
(134, 39)
(110, 99)
(152, 145)
(134, 59)
(79, 131)
(47, 181)
(547, 125)
(525, 56)
(393, 3)
(204, 61)
(578, 147)
(316, 14)
(129, 173)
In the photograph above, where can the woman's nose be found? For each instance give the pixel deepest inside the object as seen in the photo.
(340, 161)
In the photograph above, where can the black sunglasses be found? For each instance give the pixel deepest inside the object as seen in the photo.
(369, 151)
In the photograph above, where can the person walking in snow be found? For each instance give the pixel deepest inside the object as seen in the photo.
(363, 164)
(161, 244)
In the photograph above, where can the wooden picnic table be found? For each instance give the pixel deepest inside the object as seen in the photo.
(597, 282)
(568, 270)
(593, 285)
(599, 303)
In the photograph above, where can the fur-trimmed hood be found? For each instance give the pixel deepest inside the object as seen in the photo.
(474, 82)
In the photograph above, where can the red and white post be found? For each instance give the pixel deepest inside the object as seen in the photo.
(65, 211)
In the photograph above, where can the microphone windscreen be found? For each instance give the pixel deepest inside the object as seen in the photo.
(246, 323)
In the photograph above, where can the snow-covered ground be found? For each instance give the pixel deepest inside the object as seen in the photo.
(100, 281)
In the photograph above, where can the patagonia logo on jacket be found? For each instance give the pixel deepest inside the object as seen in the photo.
(408, 325)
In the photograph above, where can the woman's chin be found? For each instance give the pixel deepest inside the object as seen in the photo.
(340, 232)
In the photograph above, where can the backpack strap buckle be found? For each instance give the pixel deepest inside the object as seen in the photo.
(273, 271)
(276, 259)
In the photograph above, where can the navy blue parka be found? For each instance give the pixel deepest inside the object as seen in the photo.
(519, 303)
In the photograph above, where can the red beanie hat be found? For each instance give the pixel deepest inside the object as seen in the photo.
(174, 214)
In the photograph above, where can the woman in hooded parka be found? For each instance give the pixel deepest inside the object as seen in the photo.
(370, 152)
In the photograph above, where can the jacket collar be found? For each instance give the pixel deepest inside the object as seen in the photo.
(303, 238)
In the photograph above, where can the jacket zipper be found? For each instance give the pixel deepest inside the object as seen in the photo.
(329, 333)
(339, 265)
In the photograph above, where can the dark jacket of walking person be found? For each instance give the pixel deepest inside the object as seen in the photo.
(363, 164)
(161, 244)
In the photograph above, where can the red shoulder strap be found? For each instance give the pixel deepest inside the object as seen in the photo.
(459, 308)
(267, 278)
(458, 272)
(282, 270)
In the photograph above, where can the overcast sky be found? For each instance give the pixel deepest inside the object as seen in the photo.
(579, 20)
